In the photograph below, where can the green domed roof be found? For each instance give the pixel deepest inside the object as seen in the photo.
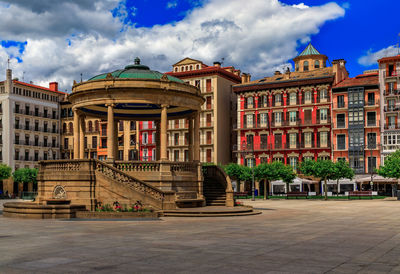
(136, 71)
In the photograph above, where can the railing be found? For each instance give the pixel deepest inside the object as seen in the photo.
(182, 167)
(62, 165)
(392, 92)
(117, 175)
(371, 102)
(137, 166)
(392, 127)
(391, 108)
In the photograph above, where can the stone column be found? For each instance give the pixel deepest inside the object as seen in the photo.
(116, 129)
(81, 137)
(163, 133)
(76, 134)
(196, 146)
(127, 140)
(158, 139)
(191, 152)
(110, 133)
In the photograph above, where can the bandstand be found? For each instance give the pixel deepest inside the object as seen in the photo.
(135, 93)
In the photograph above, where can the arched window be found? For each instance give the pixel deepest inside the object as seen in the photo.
(176, 69)
(305, 66)
(197, 67)
(316, 64)
(90, 126)
(292, 98)
(64, 127)
(96, 126)
(191, 67)
(186, 68)
(250, 102)
(71, 127)
(307, 96)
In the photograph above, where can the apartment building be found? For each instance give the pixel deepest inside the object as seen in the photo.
(286, 117)
(355, 122)
(389, 80)
(215, 83)
(29, 126)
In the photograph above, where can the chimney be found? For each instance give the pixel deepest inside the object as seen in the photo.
(244, 78)
(340, 71)
(8, 81)
(217, 64)
(53, 86)
(237, 72)
(248, 77)
(277, 72)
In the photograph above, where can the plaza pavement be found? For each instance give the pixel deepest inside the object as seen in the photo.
(291, 236)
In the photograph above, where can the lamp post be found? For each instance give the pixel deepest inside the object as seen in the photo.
(248, 149)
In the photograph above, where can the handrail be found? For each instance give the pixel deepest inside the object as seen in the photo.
(115, 174)
(219, 172)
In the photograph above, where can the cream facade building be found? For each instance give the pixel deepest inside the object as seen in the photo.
(30, 127)
(215, 83)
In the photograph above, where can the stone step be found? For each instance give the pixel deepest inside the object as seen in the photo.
(213, 215)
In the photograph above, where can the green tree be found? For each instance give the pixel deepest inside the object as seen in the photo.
(342, 171)
(391, 168)
(322, 169)
(5, 172)
(233, 170)
(25, 175)
(269, 172)
(287, 175)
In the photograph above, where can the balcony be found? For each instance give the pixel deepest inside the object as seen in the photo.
(371, 103)
(390, 127)
(392, 92)
(391, 108)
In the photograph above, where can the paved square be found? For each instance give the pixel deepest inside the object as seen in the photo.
(295, 236)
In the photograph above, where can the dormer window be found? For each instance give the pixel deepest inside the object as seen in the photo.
(316, 64)
(305, 66)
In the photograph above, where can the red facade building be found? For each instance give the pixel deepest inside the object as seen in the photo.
(286, 117)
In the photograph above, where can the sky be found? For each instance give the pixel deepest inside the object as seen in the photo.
(49, 40)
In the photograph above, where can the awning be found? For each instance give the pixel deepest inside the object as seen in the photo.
(365, 178)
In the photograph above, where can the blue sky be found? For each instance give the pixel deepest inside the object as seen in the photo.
(59, 40)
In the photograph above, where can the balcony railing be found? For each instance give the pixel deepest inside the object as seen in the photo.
(391, 108)
(391, 92)
(392, 127)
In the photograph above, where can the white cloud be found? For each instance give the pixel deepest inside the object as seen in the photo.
(257, 37)
(371, 57)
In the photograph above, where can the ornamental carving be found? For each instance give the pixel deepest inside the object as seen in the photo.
(59, 192)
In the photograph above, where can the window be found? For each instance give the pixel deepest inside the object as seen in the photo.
(153, 154)
(316, 64)
(208, 85)
(278, 98)
(324, 114)
(176, 139)
(323, 139)
(145, 155)
(323, 94)
(208, 136)
(308, 139)
(341, 120)
(197, 83)
(208, 102)
(391, 122)
(278, 117)
(144, 138)
(371, 119)
(340, 101)
(250, 162)
(176, 155)
(145, 125)
(307, 97)
(292, 140)
(292, 98)
(264, 101)
(371, 139)
(278, 140)
(292, 116)
(249, 121)
(371, 99)
(371, 164)
(293, 162)
(264, 141)
(94, 141)
(250, 102)
(341, 141)
(264, 119)
(305, 66)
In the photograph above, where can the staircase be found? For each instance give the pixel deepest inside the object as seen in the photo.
(214, 192)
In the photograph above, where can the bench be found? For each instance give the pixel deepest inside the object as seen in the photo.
(296, 194)
(241, 194)
(360, 194)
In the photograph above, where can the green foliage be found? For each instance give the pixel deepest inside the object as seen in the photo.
(5, 172)
(287, 174)
(238, 172)
(307, 167)
(324, 169)
(391, 168)
(25, 175)
(268, 171)
(343, 170)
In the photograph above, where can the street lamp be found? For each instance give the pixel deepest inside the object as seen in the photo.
(248, 149)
